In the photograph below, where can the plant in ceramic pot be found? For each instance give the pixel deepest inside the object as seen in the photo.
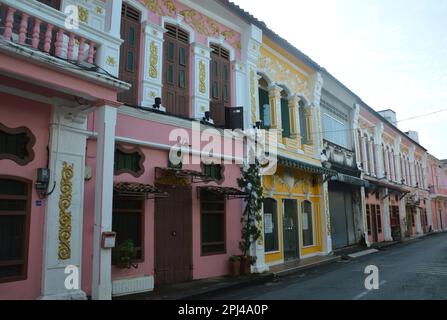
(235, 266)
(250, 183)
(124, 255)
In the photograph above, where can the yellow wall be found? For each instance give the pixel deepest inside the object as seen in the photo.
(302, 184)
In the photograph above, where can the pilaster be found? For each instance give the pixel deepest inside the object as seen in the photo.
(327, 239)
(386, 216)
(64, 206)
(201, 80)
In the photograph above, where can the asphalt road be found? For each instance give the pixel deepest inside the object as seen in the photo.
(416, 270)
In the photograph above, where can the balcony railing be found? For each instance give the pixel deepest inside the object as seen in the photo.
(42, 28)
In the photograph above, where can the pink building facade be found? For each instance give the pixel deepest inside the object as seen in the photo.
(396, 202)
(437, 184)
(87, 146)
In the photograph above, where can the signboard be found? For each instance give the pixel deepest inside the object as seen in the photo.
(268, 223)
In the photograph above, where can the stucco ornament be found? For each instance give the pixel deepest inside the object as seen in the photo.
(202, 77)
(66, 188)
(153, 60)
(281, 74)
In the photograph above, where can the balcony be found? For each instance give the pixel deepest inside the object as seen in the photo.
(340, 156)
(27, 26)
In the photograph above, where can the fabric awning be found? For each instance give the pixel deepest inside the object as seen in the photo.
(194, 176)
(227, 192)
(296, 164)
(350, 180)
(133, 189)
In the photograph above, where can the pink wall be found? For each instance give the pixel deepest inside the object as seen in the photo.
(16, 112)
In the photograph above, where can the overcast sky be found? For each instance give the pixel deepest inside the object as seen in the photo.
(391, 53)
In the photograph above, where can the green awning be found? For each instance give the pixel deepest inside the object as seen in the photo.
(350, 180)
(296, 164)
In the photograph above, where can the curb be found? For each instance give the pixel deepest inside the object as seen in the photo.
(307, 267)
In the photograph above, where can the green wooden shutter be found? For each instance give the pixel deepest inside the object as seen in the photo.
(285, 118)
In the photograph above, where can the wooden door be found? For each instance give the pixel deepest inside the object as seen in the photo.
(374, 223)
(173, 235)
(176, 71)
(290, 229)
(130, 53)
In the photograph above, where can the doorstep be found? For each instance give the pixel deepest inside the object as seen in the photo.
(196, 288)
(303, 264)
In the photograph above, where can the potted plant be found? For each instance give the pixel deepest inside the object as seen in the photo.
(125, 254)
(250, 183)
(235, 266)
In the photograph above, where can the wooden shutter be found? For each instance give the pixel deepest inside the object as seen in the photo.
(368, 219)
(285, 118)
(176, 71)
(56, 4)
(220, 83)
(379, 219)
(130, 53)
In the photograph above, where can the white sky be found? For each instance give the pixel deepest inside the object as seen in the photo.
(391, 53)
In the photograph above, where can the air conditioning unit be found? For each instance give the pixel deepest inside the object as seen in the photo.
(234, 118)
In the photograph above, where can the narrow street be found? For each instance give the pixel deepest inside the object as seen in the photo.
(413, 270)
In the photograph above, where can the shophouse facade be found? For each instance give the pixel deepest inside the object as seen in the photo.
(437, 184)
(395, 165)
(338, 111)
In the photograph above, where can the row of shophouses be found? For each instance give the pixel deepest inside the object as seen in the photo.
(85, 145)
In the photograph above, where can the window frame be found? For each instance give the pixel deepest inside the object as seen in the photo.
(224, 213)
(142, 212)
(276, 233)
(313, 223)
(129, 152)
(27, 226)
(29, 145)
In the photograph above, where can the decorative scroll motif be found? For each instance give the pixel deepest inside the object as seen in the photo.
(153, 60)
(261, 233)
(82, 14)
(326, 206)
(200, 23)
(280, 73)
(111, 61)
(202, 77)
(66, 189)
(253, 95)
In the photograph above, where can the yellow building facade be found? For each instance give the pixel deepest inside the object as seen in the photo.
(295, 211)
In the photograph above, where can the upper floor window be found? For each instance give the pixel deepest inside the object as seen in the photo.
(264, 104)
(130, 53)
(334, 130)
(56, 4)
(285, 115)
(220, 83)
(16, 144)
(15, 203)
(176, 71)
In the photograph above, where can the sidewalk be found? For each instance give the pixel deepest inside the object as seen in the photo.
(196, 288)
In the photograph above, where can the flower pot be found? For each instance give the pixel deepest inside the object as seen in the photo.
(245, 265)
(235, 268)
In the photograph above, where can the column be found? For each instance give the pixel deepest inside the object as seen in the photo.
(295, 119)
(379, 154)
(402, 217)
(371, 157)
(392, 166)
(398, 167)
(115, 18)
(387, 163)
(364, 218)
(239, 86)
(64, 207)
(364, 155)
(386, 216)
(152, 64)
(418, 221)
(201, 75)
(327, 239)
(275, 104)
(102, 258)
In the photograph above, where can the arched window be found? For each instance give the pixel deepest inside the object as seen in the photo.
(176, 71)
(270, 225)
(285, 114)
(264, 104)
(307, 224)
(220, 77)
(15, 202)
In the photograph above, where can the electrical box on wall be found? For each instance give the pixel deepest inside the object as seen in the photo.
(42, 179)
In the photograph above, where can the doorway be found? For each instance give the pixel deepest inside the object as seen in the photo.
(290, 229)
(173, 235)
